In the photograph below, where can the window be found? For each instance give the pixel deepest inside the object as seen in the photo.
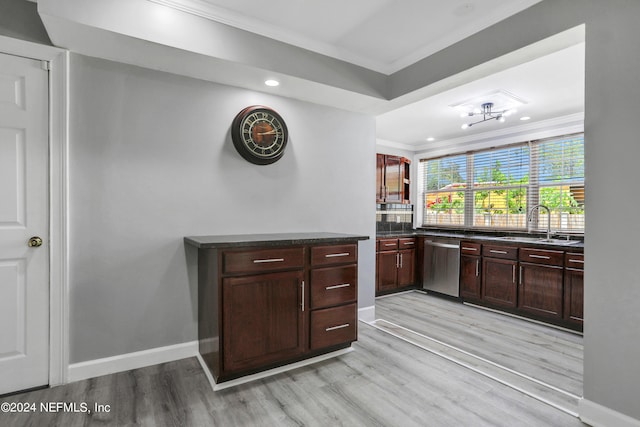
(560, 166)
(445, 181)
(497, 188)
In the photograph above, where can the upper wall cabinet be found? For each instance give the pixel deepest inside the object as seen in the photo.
(392, 179)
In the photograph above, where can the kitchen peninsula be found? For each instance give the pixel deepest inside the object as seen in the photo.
(266, 300)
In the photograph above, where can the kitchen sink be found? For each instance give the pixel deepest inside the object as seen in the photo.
(542, 240)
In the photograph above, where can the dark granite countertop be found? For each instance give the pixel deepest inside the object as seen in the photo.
(276, 239)
(515, 239)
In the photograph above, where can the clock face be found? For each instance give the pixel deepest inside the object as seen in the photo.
(259, 134)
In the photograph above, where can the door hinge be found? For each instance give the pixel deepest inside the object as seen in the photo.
(46, 65)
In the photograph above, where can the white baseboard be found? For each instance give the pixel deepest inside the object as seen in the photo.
(597, 415)
(367, 314)
(125, 362)
(270, 372)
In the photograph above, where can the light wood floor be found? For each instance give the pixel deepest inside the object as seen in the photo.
(543, 361)
(384, 382)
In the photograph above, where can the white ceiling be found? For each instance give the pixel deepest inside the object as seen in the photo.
(382, 35)
(551, 86)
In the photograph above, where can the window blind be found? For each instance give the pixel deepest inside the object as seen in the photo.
(497, 188)
(559, 163)
(444, 183)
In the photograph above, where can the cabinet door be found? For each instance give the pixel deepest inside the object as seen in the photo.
(407, 268)
(541, 289)
(499, 281)
(263, 319)
(470, 277)
(379, 177)
(573, 295)
(387, 271)
(393, 179)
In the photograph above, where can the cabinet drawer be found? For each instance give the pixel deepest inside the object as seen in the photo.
(542, 256)
(333, 326)
(574, 260)
(333, 286)
(407, 243)
(470, 248)
(333, 254)
(256, 260)
(387, 245)
(504, 252)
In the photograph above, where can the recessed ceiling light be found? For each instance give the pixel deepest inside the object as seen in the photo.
(431, 139)
(525, 118)
(271, 82)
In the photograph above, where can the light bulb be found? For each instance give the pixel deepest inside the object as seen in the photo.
(464, 126)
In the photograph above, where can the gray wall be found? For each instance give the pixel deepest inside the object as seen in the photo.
(612, 275)
(151, 161)
(19, 19)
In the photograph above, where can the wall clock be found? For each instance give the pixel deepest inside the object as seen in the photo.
(259, 134)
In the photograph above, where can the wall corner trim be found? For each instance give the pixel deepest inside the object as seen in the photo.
(367, 314)
(596, 415)
(124, 362)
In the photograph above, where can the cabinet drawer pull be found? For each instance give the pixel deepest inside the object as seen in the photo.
(409, 243)
(521, 276)
(337, 255)
(539, 256)
(344, 285)
(389, 244)
(302, 299)
(493, 251)
(261, 261)
(577, 260)
(470, 249)
(333, 328)
(477, 267)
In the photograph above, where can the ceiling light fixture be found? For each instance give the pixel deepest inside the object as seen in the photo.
(525, 118)
(272, 82)
(431, 139)
(487, 114)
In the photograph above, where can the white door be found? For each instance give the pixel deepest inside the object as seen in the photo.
(24, 207)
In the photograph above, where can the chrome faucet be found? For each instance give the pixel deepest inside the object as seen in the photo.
(530, 217)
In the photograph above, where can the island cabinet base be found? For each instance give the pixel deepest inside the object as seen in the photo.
(264, 304)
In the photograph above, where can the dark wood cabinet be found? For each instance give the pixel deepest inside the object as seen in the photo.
(499, 281)
(263, 319)
(265, 306)
(574, 288)
(392, 179)
(407, 268)
(540, 289)
(540, 282)
(387, 271)
(470, 269)
(395, 264)
(380, 190)
(499, 286)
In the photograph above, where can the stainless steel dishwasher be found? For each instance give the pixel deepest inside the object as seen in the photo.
(441, 266)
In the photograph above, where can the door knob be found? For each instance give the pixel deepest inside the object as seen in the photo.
(34, 242)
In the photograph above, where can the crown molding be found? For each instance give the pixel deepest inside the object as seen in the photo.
(393, 144)
(209, 11)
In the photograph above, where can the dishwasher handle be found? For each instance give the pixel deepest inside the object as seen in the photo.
(441, 245)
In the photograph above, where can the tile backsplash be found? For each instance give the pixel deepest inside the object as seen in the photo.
(394, 217)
